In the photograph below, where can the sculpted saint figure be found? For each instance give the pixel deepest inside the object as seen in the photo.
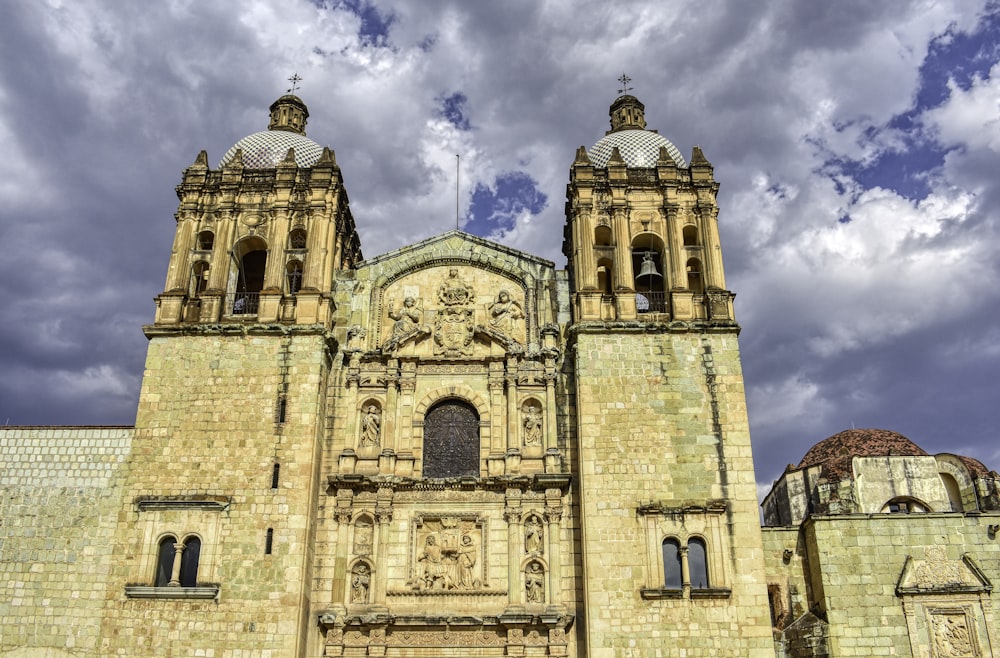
(407, 318)
(533, 535)
(532, 418)
(466, 562)
(505, 313)
(534, 583)
(360, 581)
(435, 569)
(371, 425)
(454, 291)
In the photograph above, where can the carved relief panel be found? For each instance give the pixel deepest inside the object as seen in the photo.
(453, 312)
(448, 555)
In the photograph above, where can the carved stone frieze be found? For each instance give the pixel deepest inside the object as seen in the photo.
(446, 637)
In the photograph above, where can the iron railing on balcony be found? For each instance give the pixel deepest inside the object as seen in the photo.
(242, 303)
(651, 302)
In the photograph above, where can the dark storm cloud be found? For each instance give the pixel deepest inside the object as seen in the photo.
(888, 320)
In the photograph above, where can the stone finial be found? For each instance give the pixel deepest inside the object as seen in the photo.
(237, 159)
(581, 157)
(201, 160)
(698, 158)
(289, 157)
(616, 157)
(328, 157)
(289, 113)
(663, 158)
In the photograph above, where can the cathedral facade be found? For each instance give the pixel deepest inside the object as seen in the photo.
(452, 449)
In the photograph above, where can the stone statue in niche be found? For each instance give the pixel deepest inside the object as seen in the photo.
(371, 427)
(531, 420)
(534, 583)
(360, 582)
(533, 535)
(951, 636)
(505, 314)
(363, 537)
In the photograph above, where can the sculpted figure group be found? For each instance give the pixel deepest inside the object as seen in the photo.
(448, 568)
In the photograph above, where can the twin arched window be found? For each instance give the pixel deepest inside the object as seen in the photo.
(177, 562)
(685, 565)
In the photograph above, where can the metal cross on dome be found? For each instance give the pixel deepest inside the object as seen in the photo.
(295, 80)
(624, 79)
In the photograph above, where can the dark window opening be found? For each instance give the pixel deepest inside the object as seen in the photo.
(294, 276)
(165, 561)
(269, 541)
(451, 440)
(697, 564)
(206, 240)
(274, 476)
(281, 410)
(189, 562)
(297, 239)
(672, 564)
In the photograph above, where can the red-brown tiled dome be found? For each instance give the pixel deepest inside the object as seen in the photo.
(835, 453)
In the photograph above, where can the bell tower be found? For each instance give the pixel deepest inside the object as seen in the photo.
(218, 519)
(642, 227)
(668, 510)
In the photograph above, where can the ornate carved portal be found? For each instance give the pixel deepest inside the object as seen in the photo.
(451, 440)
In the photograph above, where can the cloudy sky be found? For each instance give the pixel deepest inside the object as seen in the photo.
(857, 144)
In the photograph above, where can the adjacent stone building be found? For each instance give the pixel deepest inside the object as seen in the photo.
(457, 449)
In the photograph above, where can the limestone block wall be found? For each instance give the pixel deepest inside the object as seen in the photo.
(60, 489)
(217, 412)
(664, 451)
(856, 563)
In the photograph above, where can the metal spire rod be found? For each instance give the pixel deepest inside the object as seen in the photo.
(458, 173)
(624, 79)
(295, 80)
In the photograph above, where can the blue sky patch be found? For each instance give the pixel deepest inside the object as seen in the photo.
(453, 109)
(495, 208)
(375, 24)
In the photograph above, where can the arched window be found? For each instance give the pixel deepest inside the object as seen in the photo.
(451, 440)
(294, 276)
(297, 239)
(697, 563)
(250, 259)
(189, 561)
(199, 278)
(904, 505)
(602, 236)
(672, 564)
(206, 240)
(604, 282)
(690, 233)
(954, 492)
(696, 284)
(165, 561)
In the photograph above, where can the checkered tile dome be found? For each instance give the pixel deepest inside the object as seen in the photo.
(264, 150)
(639, 148)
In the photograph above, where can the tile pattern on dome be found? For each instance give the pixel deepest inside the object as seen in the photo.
(639, 148)
(266, 149)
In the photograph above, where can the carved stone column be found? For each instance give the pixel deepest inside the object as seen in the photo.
(622, 276)
(685, 572)
(551, 440)
(180, 265)
(342, 513)
(383, 514)
(515, 544)
(391, 412)
(553, 515)
(175, 568)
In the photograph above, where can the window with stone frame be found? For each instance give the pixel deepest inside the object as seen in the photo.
(451, 440)
(686, 549)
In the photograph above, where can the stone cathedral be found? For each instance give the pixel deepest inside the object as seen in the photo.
(458, 450)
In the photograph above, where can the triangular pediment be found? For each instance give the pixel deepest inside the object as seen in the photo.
(935, 573)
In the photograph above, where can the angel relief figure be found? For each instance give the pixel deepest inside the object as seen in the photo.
(505, 314)
(406, 323)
